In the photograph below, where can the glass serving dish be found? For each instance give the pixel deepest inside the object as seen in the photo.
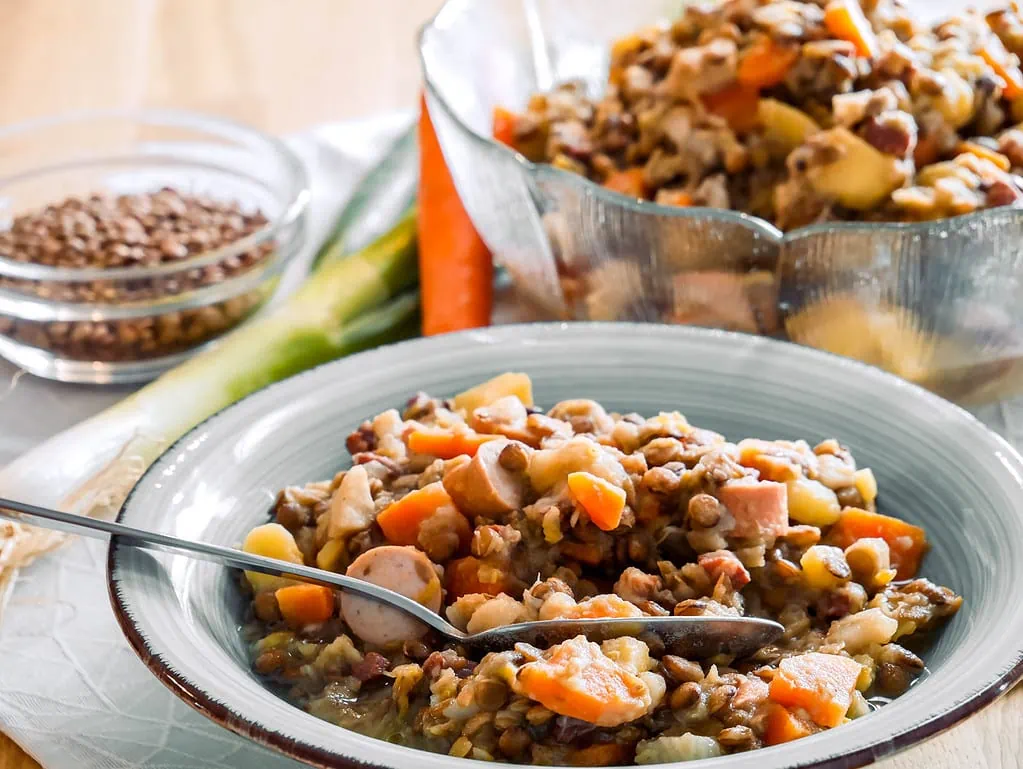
(138, 313)
(939, 303)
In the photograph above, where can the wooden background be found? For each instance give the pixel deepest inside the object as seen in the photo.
(283, 65)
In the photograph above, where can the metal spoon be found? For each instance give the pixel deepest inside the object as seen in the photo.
(697, 637)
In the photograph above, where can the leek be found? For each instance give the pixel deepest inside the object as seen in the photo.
(351, 302)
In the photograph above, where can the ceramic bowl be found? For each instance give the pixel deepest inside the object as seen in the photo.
(935, 464)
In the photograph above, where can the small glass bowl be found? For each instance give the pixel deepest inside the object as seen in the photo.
(129, 323)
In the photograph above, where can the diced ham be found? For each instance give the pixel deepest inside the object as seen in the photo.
(725, 562)
(760, 508)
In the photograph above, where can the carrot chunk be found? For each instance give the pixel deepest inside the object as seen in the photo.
(784, 726)
(303, 605)
(603, 502)
(674, 198)
(400, 521)
(1002, 62)
(906, 543)
(504, 126)
(462, 577)
(820, 684)
(738, 104)
(446, 444)
(577, 680)
(845, 20)
(628, 182)
(766, 63)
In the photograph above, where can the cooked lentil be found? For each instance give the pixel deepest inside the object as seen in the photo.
(722, 540)
(130, 231)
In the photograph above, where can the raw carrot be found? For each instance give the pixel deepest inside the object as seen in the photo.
(766, 63)
(446, 444)
(986, 153)
(784, 726)
(456, 272)
(577, 680)
(303, 605)
(602, 501)
(400, 521)
(628, 182)
(462, 577)
(820, 684)
(504, 126)
(1001, 61)
(845, 20)
(906, 543)
(738, 104)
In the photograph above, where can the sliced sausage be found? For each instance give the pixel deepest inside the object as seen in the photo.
(760, 508)
(404, 570)
(481, 486)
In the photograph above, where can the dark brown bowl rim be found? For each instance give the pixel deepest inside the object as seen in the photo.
(204, 703)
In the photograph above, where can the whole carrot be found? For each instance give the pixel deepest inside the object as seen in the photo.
(456, 272)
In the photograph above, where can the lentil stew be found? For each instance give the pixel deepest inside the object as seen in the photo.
(798, 111)
(492, 511)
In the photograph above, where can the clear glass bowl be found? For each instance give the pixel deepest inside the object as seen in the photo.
(131, 322)
(939, 303)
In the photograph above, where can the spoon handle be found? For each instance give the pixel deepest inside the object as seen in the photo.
(152, 540)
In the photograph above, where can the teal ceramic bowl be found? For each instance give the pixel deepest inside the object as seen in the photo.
(935, 464)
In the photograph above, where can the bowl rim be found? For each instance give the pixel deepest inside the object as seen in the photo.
(297, 194)
(760, 226)
(206, 703)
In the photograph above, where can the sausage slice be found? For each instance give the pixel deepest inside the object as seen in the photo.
(404, 570)
(481, 486)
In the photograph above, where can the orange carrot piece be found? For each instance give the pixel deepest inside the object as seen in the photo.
(820, 684)
(738, 105)
(303, 605)
(462, 577)
(906, 543)
(628, 182)
(400, 521)
(606, 754)
(784, 726)
(575, 679)
(928, 150)
(602, 501)
(446, 444)
(766, 63)
(985, 153)
(1001, 61)
(845, 20)
(680, 199)
(456, 272)
(504, 126)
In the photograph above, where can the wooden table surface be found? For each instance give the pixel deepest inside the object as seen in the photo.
(283, 65)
